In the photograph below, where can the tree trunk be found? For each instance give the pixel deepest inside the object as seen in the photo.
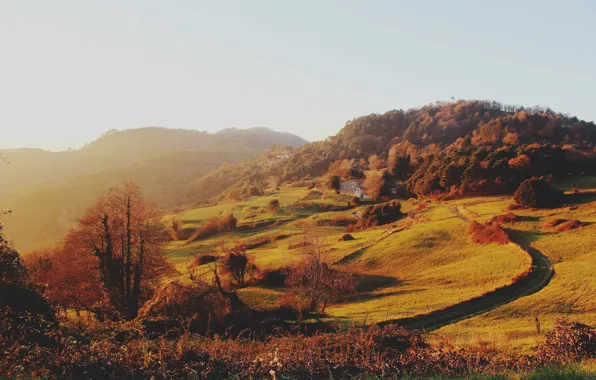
(136, 290)
(127, 264)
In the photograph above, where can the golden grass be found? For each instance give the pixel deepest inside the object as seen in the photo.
(433, 263)
(571, 294)
(427, 267)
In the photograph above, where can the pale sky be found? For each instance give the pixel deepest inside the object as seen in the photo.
(72, 69)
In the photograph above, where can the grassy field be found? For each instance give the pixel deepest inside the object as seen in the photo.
(569, 295)
(424, 262)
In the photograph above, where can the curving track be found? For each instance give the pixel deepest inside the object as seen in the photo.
(533, 281)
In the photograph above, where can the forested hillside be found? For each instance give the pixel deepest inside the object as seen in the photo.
(483, 145)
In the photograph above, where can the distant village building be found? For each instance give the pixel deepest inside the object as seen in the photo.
(280, 157)
(353, 188)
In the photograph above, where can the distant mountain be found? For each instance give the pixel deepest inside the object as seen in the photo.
(48, 191)
(121, 148)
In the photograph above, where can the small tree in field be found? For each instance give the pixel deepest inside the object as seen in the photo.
(274, 205)
(537, 193)
(334, 183)
(237, 264)
(314, 280)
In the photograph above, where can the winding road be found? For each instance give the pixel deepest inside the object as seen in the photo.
(531, 282)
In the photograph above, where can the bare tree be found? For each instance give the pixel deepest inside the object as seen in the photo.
(314, 279)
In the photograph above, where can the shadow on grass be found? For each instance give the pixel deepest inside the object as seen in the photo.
(351, 257)
(369, 282)
(374, 296)
(527, 218)
(580, 198)
(527, 237)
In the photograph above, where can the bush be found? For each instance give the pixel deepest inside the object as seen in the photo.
(346, 237)
(488, 233)
(568, 342)
(537, 193)
(197, 301)
(501, 219)
(204, 259)
(378, 214)
(273, 205)
(334, 183)
(570, 225)
(275, 277)
(355, 201)
(212, 226)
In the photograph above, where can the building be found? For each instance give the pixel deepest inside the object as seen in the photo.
(354, 188)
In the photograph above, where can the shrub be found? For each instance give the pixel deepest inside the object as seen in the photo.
(355, 201)
(273, 205)
(502, 219)
(554, 222)
(334, 183)
(346, 237)
(212, 226)
(379, 214)
(537, 193)
(275, 277)
(197, 301)
(570, 225)
(204, 259)
(488, 233)
(568, 342)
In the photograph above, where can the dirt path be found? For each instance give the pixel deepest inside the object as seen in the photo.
(539, 276)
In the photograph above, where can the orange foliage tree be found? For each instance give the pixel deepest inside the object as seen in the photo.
(69, 277)
(123, 231)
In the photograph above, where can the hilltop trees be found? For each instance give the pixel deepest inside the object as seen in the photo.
(470, 145)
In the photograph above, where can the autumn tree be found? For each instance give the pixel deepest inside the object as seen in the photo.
(227, 222)
(314, 280)
(274, 205)
(125, 234)
(537, 193)
(399, 166)
(377, 184)
(238, 264)
(334, 183)
(345, 169)
(375, 162)
(69, 276)
(521, 162)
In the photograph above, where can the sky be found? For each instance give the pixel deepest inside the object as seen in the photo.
(71, 70)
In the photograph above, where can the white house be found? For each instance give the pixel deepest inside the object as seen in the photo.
(354, 188)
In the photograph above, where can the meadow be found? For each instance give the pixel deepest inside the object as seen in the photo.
(423, 263)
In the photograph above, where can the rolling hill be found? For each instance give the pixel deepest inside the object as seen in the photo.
(47, 191)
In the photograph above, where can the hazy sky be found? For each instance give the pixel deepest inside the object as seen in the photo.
(71, 70)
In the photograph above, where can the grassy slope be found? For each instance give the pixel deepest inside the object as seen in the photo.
(428, 265)
(433, 264)
(570, 293)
